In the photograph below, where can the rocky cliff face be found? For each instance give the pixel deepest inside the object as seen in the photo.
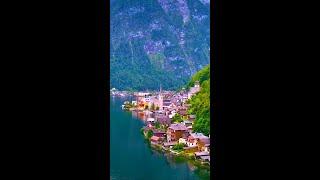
(155, 42)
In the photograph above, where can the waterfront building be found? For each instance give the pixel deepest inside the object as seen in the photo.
(159, 133)
(155, 140)
(192, 142)
(176, 131)
(182, 141)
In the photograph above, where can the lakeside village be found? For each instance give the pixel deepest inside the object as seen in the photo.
(168, 126)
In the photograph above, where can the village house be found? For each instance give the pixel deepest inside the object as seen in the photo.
(187, 123)
(199, 136)
(191, 117)
(199, 154)
(150, 120)
(155, 140)
(134, 103)
(141, 94)
(204, 144)
(167, 112)
(159, 133)
(176, 131)
(163, 120)
(146, 100)
(158, 102)
(194, 139)
(184, 97)
(194, 90)
(206, 148)
(204, 156)
(191, 141)
(172, 105)
(171, 115)
(169, 144)
(190, 129)
(149, 125)
(182, 141)
(182, 111)
(166, 103)
(191, 148)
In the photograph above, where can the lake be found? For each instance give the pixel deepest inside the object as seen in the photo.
(132, 158)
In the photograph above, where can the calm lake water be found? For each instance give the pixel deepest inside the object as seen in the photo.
(132, 158)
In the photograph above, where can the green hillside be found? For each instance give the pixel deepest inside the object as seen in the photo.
(155, 42)
(200, 103)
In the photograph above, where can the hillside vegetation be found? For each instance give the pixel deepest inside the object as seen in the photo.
(200, 103)
(155, 42)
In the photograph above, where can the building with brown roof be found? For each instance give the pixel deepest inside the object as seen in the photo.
(176, 131)
(158, 133)
(155, 140)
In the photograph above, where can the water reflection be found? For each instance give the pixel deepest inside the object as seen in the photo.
(130, 152)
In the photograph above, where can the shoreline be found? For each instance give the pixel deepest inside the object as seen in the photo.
(184, 155)
(167, 151)
(187, 157)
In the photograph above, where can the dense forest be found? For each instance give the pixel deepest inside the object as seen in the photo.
(200, 103)
(155, 42)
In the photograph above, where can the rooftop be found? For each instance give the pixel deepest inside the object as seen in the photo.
(199, 136)
(205, 157)
(150, 119)
(192, 116)
(158, 131)
(170, 143)
(205, 141)
(178, 127)
(155, 138)
(202, 153)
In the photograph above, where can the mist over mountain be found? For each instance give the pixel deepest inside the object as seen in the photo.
(155, 42)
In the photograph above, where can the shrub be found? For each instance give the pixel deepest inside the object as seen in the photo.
(178, 147)
(149, 134)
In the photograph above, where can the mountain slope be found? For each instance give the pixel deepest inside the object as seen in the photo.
(157, 42)
(200, 103)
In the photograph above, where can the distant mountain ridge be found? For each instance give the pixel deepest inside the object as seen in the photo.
(155, 42)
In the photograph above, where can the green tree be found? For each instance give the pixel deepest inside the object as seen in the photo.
(200, 103)
(149, 134)
(177, 118)
(157, 124)
(178, 147)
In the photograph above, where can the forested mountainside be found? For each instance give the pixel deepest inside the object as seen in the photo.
(155, 42)
(200, 103)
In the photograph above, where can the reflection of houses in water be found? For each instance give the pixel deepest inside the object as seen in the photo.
(140, 115)
(191, 166)
(134, 114)
(170, 160)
